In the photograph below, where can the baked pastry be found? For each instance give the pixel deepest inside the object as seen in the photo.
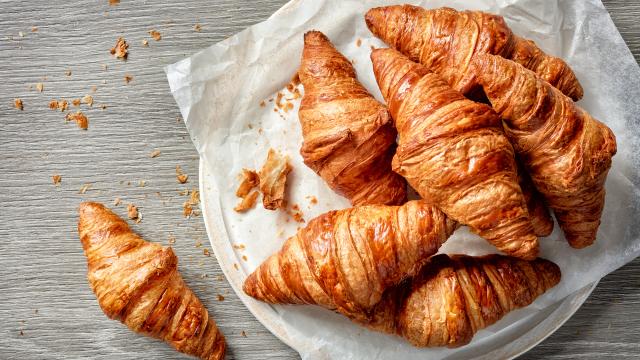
(137, 283)
(348, 135)
(344, 260)
(445, 40)
(453, 297)
(566, 151)
(454, 153)
(538, 211)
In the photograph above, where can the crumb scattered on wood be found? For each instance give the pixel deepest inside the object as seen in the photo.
(180, 176)
(120, 50)
(34, 29)
(53, 104)
(128, 78)
(94, 88)
(75, 102)
(172, 240)
(79, 118)
(142, 183)
(62, 105)
(206, 252)
(40, 87)
(273, 178)
(84, 188)
(88, 99)
(117, 201)
(145, 42)
(197, 27)
(242, 333)
(220, 297)
(56, 180)
(154, 153)
(187, 210)
(132, 212)
(155, 34)
(68, 72)
(114, 2)
(247, 202)
(18, 104)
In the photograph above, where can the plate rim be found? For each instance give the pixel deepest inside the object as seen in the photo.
(564, 308)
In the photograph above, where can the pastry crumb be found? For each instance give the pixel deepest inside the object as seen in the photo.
(197, 28)
(244, 257)
(154, 153)
(117, 201)
(220, 297)
(120, 50)
(358, 42)
(242, 333)
(206, 252)
(273, 178)
(88, 99)
(68, 72)
(56, 180)
(53, 104)
(34, 29)
(187, 210)
(155, 35)
(62, 105)
(263, 103)
(84, 188)
(145, 42)
(79, 118)
(235, 266)
(250, 180)
(40, 87)
(18, 104)
(132, 212)
(239, 246)
(128, 78)
(180, 176)
(114, 2)
(75, 102)
(142, 183)
(248, 202)
(172, 240)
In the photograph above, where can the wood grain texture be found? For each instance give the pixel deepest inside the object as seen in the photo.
(46, 307)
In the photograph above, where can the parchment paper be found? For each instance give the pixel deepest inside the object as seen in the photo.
(219, 91)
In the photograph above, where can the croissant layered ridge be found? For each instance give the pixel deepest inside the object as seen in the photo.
(348, 135)
(137, 283)
(453, 151)
(453, 297)
(566, 151)
(445, 40)
(344, 260)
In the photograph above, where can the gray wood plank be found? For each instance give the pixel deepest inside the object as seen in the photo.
(46, 307)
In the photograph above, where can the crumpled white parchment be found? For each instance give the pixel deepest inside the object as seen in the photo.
(219, 91)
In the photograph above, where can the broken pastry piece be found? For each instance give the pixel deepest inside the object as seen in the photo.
(248, 202)
(273, 178)
(250, 180)
(137, 282)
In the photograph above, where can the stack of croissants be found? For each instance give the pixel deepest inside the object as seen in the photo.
(480, 122)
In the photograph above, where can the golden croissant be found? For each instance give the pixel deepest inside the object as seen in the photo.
(453, 151)
(538, 211)
(566, 151)
(453, 297)
(344, 260)
(137, 283)
(445, 40)
(348, 135)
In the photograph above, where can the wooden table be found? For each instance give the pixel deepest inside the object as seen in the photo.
(46, 307)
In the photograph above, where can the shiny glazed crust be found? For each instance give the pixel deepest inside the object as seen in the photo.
(348, 135)
(137, 283)
(454, 153)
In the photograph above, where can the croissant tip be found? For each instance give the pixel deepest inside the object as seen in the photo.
(315, 37)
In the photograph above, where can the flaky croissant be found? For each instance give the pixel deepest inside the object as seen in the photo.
(445, 40)
(566, 151)
(348, 135)
(137, 283)
(453, 297)
(454, 153)
(538, 211)
(344, 260)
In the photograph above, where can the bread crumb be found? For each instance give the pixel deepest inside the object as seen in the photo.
(182, 178)
(206, 252)
(172, 240)
(56, 180)
(273, 178)
(40, 87)
(197, 27)
(84, 188)
(88, 99)
(235, 265)
(247, 202)
(142, 183)
(249, 180)
(120, 50)
(220, 297)
(132, 212)
(242, 333)
(154, 153)
(114, 2)
(103, 106)
(244, 257)
(53, 104)
(187, 210)
(194, 198)
(75, 102)
(155, 35)
(128, 78)
(262, 103)
(239, 246)
(34, 29)
(145, 43)
(117, 201)
(62, 105)
(358, 42)
(79, 118)
(68, 72)
(18, 104)
(312, 199)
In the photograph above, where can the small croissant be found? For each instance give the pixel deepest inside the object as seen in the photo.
(445, 40)
(348, 135)
(137, 283)
(567, 152)
(453, 297)
(454, 152)
(344, 260)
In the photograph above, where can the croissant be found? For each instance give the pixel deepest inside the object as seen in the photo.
(348, 135)
(137, 283)
(453, 297)
(453, 152)
(445, 40)
(566, 151)
(538, 211)
(344, 260)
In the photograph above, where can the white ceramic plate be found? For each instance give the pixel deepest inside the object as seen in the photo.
(509, 344)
